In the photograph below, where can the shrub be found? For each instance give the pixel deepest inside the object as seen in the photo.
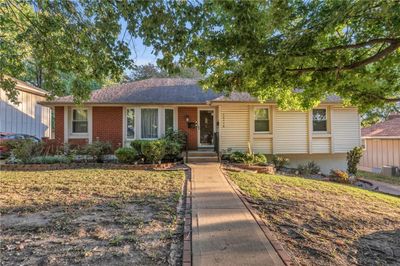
(247, 158)
(340, 176)
(25, 150)
(98, 149)
(279, 162)
(153, 151)
(172, 149)
(137, 145)
(237, 157)
(310, 168)
(126, 155)
(50, 159)
(259, 158)
(353, 159)
(176, 136)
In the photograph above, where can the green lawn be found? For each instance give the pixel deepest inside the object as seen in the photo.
(90, 217)
(378, 177)
(324, 223)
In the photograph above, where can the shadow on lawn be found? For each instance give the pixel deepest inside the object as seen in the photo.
(379, 248)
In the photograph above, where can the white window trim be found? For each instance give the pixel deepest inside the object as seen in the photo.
(269, 120)
(72, 135)
(138, 122)
(312, 121)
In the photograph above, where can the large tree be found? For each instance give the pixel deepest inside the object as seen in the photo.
(276, 49)
(58, 45)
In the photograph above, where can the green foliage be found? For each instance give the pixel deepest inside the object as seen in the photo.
(176, 136)
(247, 158)
(353, 159)
(51, 160)
(126, 155)
(41, 41)
(172, 149)
(137, 145)
(376, 115)
(154, 150)
(268, 48)
(279, 162)
(98, 149)
(153, 71)
(25, 150)
(310, 168)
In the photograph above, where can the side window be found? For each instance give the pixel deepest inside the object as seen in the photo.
(130, 123)
(169, 119)
(261, 120)
(79, 121)
(319, 120)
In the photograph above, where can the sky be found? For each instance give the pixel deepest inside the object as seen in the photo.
(140, 54)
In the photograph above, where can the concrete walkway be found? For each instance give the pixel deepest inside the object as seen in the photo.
(384, 187)
(224, 231)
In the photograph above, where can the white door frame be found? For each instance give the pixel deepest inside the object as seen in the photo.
(198, 126)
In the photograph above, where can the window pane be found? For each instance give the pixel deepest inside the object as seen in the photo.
(261, 125)
(79, 127)
(169, 119)
(130, 123)
(149, 123)
(261, 114)
(79, 115)
(319, 120)
(261, 120)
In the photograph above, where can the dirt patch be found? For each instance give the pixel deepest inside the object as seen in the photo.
(136, 228)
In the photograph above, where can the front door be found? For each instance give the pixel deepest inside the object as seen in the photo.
(206, 128)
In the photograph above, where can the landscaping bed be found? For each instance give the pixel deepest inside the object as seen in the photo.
(90, 217)
(324, 223)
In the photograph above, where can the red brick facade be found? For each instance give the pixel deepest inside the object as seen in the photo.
(107, 124)
(59, 124)
(182, 124)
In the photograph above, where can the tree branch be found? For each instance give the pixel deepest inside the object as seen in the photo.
(362, 44)
(376, 57)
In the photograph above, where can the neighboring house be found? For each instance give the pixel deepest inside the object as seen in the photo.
(382, 144)
(145, 109)
(26, 117)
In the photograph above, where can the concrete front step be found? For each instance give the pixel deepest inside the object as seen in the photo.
(202, 159)
(202, 154)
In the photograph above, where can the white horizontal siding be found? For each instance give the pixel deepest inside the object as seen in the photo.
(290, 132)
(234, 127)
(345, 129)
(321, 145)
(262, 145)
(27, 117)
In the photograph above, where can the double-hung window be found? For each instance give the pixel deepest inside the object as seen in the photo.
(261, 120)
(319, 120)
(79, 121)
(130, 123)
(149, 124)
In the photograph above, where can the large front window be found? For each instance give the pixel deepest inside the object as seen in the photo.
(261, 120)
(149, 123)
(130, 123)
(79, 121)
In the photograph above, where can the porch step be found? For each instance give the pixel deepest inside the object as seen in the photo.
(199, 159)
(202, 155)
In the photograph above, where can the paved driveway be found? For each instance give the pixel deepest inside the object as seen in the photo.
(224, 231)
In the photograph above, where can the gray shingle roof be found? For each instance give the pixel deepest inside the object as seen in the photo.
(163, 91)
(150, 91)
